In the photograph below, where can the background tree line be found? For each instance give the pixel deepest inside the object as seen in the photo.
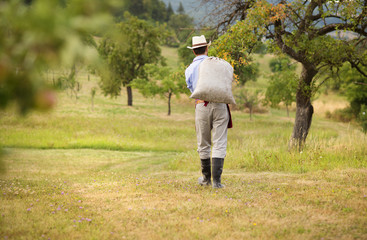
(153, 11)
(135, 43)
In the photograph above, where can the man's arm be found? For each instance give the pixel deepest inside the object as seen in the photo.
(188, 75)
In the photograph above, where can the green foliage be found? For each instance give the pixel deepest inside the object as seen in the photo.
(180, 9)
(281, 64)
(247, 99)
(302, 42)
(282, 88)
(354, 86)
(341, 115)
(137, 43)
(170, 11)
(156, 11)
(69, 83)
(363, 118)
(282, 84)
(186, 55)
(321, 46)
(235, 47)
(260, 48)
(245, 73)
(149, 10)
(304, 31)
(182, 24)
(170, 39)
(160, 80)
(43, 35)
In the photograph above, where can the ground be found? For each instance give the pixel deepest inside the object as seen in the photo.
(118, 172)
(94, 194)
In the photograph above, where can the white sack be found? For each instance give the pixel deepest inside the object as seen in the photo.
(215, 81)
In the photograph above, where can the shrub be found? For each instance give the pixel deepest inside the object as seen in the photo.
(363, 118)
(342, 115)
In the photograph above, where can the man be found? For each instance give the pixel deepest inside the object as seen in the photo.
(209, 117)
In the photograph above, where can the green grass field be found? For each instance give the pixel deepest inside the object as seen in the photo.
(118, 172)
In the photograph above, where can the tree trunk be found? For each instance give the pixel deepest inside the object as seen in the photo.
(129, 96)
(287, 110)
(250, 113)
(169, 103)
(304, 109)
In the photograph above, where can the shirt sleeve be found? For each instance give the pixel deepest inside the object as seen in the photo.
(188, 75)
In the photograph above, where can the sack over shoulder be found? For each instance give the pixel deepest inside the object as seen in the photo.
(215, 81)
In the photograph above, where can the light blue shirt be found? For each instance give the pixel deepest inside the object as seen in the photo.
(192, 72)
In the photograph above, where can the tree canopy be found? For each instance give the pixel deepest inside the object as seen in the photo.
(182, 24)
(354, 87)
(303, 30)
(282, 84)
(162, 81)
(42, 35)
(181, 9)
(156, 11)
(170, 11)
(137, 44)
(149, 10)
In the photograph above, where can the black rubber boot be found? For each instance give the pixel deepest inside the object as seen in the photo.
(205, 169)
(217, 172)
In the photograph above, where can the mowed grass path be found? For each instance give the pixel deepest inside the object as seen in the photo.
(101, 194)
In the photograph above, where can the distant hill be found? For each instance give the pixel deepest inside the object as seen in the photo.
(189, 5)
(192, 8)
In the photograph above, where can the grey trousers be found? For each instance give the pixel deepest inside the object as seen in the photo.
(209, 119)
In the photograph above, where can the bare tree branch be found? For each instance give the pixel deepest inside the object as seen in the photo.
(359, 40)
(305, 22)
(322, 66)
(322, 83)
(340, 26)
(354, 65)
(319, 16)
(229, 11)
(286, 49)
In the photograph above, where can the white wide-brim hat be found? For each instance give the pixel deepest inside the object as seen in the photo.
(199, 41)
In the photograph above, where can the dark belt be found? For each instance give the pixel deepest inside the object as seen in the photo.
(197, 101)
